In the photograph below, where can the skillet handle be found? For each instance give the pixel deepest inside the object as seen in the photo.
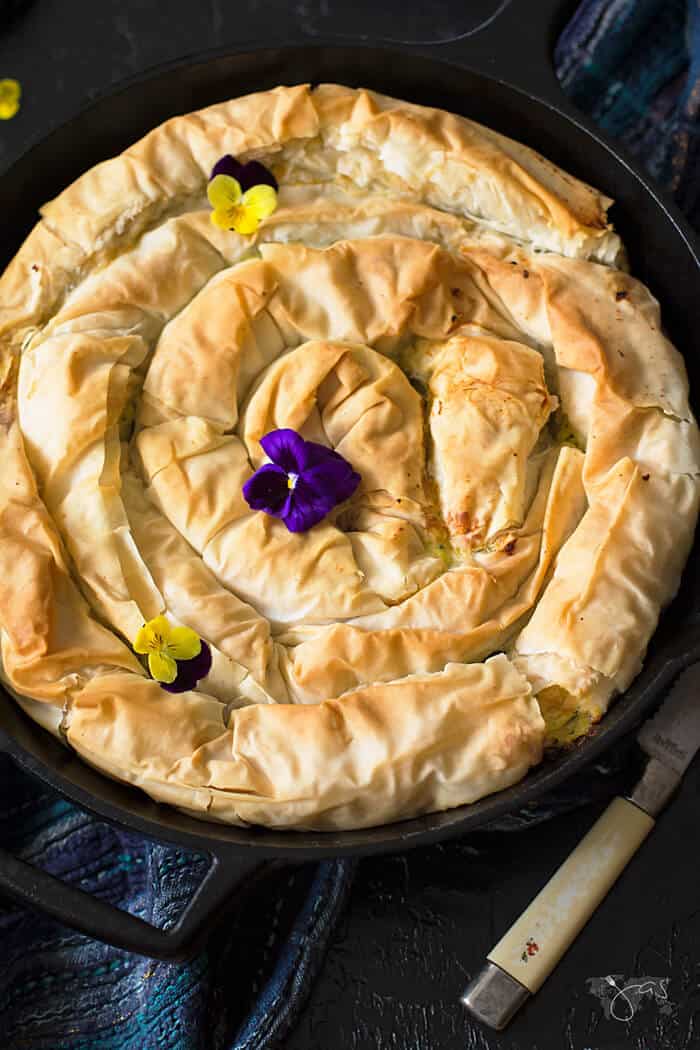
(96, 918)
(517, 46)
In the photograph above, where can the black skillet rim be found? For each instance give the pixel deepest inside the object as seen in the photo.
(29, 745)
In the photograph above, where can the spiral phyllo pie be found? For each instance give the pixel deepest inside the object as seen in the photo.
(344, 467)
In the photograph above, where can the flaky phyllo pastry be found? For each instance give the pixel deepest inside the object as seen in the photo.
(447, 312)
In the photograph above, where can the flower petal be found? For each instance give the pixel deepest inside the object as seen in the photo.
(286, 448)
(224, 192)
(184, 643)
(303, 517)
(10, 92)
(260, 201)
(159, 629)
(335, 478)
(141, 640)
(189, 672)
(251, 174)
(267, 489)
(306, 507)
(245, 221)
(183, 682)
(315, 454)
(256, 174)
(162, 667)
(200, 664)
(225, 218)
(228, 165)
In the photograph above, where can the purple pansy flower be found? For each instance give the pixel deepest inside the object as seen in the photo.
(247, 175)
(189, 672)
(302, 484)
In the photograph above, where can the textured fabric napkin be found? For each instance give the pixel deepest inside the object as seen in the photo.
(634, 66)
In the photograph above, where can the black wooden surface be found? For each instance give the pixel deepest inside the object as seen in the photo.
(418, 925)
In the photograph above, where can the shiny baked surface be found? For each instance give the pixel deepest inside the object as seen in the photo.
(445, 309)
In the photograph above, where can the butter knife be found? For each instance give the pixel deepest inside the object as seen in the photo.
(526, 955)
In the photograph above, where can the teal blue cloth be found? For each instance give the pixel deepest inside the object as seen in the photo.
(62, 991)
(634, 66)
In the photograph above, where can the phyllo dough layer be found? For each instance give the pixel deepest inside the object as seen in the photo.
(447, 311)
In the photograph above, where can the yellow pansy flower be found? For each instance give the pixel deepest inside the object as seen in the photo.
(235, 210)
(10, 92)
(164, 644)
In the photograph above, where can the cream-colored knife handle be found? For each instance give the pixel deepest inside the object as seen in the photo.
(537, 940)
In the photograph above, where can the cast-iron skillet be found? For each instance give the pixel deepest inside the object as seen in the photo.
(475, 75)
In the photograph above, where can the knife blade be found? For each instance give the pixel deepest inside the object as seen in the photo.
(672, 735)
(671, 739)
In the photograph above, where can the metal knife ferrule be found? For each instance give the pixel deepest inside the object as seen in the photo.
(656, 787)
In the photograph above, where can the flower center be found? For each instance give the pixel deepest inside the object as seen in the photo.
(292, 481)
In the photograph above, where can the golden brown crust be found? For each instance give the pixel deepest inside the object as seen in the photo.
(375, 755)
(398, 307)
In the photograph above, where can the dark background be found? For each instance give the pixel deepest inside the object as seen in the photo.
(420, 924)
